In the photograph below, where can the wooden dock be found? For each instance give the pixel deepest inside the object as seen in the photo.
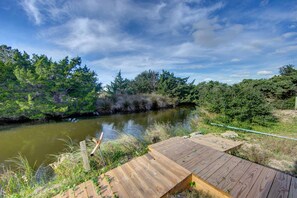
(171, 165)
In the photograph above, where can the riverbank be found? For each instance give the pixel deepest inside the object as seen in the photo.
(106, 105)
(68, 168)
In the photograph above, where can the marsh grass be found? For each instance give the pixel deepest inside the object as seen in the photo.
(68, 168)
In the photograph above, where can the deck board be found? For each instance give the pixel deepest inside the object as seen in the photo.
(280, 186)
(246, 182)
(170, 165)
(263, 184)
(293, 188)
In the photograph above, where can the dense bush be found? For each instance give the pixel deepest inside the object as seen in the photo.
(37, 87)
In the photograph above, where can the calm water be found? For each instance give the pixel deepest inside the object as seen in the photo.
(37, 142)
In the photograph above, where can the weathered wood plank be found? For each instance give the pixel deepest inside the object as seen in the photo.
(91, 189)
(263, 184)
(246, 182)
(150, 180)
(293, 188)
(116, 185)
(84, 155)
(127, 183)
(280, 186)
(221, 174)
(215, 142)
(207, 172)
(105, 188)
(199, 165)
(175, 168)
(80, 191)
(137, 179)
(197, 156)
(235, 174)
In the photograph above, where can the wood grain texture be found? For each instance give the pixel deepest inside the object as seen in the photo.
(293, 188)
(221, 174)
(234, 175)
(280, 186)
(263, 184)
(213, 167)
(246, 182)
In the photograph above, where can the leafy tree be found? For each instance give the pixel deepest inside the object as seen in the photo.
(287, 70)
(38, 87)
(119, 86)
(173, 86)
(145, 82)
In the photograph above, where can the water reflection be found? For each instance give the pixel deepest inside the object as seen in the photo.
(37, 142)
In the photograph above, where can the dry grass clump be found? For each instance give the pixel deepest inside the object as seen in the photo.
(254, 153)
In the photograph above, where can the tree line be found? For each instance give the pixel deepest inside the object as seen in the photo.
(37, 88)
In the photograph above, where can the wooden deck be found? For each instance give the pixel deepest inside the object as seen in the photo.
(231, 175)
(215, 142)
(171, 165)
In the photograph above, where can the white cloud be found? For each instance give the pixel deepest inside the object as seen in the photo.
(289, 34)
(235, 60)
(264, 73)
(30, 6)
(138, 35)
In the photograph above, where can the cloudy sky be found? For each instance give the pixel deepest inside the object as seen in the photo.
(206, 40)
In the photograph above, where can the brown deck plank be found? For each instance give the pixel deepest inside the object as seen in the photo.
(151, 181)
(202, 164)
(166, 143)
(207, 172)
(280, 186)
(195, 152)
(164, 171)
(91, 189)
(156, 175)
(104, 186)
(177, 147)
(221, 174)
(263, 184)
(80, 191)
(246, 182)
(193, 158)
(293, 188)
(234, 175)
(175, 168)
(115, 183)
(215, 142)
(138, 180)
(127, 183)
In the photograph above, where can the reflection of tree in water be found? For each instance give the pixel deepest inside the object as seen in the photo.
(109, 130)
(133, 128)
(135, 124)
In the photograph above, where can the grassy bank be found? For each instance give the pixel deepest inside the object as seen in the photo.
(21, 181)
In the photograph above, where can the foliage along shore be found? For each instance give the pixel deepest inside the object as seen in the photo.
(38, 88)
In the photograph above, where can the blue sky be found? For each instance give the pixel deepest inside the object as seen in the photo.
(206, 40)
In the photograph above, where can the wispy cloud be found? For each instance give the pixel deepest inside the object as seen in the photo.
(192, 37)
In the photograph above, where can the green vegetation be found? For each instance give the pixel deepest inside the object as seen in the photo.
(38, 88)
